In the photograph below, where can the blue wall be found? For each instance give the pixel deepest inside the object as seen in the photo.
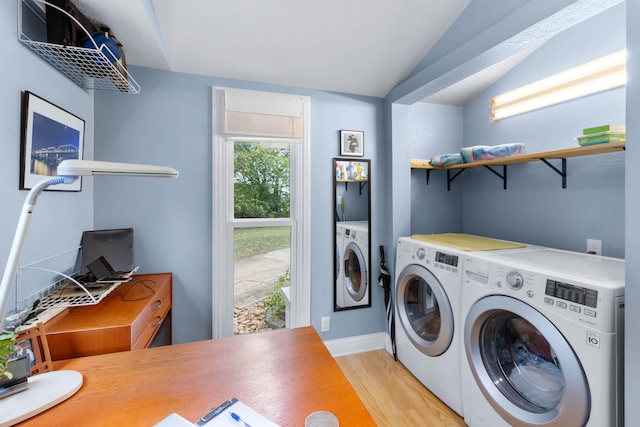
(60, 217)
(172, 217)
(535, 208)
(434, 129)
(169, 122)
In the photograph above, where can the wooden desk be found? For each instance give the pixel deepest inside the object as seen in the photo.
(285, 375)
(128, 318)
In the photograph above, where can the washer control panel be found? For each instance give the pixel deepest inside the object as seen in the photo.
(587, 299)
(572, 293)
(581, 302)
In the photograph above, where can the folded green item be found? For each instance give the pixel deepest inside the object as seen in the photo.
(601, 138)
(604, 128)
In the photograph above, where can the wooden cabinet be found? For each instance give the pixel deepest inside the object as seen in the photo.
(127, 319)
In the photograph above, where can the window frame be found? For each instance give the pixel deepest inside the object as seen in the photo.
(224, 223)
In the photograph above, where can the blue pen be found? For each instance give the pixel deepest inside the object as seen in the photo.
(238, 419)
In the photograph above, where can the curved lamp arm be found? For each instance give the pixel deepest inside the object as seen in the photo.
(19, 238)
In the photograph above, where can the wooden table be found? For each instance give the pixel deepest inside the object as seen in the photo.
(285, 375)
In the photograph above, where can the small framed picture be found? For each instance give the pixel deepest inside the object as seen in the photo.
(351, 143)
(49, 136)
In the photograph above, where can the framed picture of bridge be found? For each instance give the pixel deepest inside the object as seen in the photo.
(49, 136)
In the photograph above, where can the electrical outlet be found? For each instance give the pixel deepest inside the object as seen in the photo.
(594, 247)
(326, 324)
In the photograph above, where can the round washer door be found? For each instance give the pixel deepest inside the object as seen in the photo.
(424, 310)
(524, 366)
(355, 272)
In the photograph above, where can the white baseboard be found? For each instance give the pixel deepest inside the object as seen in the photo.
(359, 344)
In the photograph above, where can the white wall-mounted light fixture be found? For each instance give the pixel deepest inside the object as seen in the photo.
(607, 72)
(51, 388)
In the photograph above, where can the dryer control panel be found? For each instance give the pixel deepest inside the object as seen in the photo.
(446, 259)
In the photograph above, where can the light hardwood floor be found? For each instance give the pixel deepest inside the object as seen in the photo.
(393, 396)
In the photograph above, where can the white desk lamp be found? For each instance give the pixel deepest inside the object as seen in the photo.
(48, 389)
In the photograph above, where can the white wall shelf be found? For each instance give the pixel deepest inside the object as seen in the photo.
(50, 281)
(89, 68)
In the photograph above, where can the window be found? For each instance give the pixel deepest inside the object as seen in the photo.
(261, 208)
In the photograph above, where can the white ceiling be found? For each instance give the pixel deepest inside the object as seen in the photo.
(362, 47)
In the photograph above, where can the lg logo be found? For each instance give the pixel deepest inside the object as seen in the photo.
(593, 339)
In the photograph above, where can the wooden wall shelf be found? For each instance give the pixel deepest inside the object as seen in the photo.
(543, 156)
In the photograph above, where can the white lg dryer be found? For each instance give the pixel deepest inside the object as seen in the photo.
(355, 266)
(427, 296)
(543, 339)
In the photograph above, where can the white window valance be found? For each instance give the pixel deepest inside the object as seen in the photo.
(249, 113)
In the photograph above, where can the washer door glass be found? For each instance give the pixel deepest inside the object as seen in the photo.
(424, 310)
(355, 274)
(521, 362)
(523, 365)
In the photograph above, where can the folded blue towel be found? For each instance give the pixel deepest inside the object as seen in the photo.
(485, 152)
(446, 160)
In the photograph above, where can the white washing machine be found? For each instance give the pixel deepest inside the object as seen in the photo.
(354, 285)
(427, 302)
(543, 339)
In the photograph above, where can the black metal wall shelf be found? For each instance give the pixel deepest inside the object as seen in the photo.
(361, 183)
(561, 155)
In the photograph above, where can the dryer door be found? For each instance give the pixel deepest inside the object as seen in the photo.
(524, 366)
(355, 272)
(424, 310)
